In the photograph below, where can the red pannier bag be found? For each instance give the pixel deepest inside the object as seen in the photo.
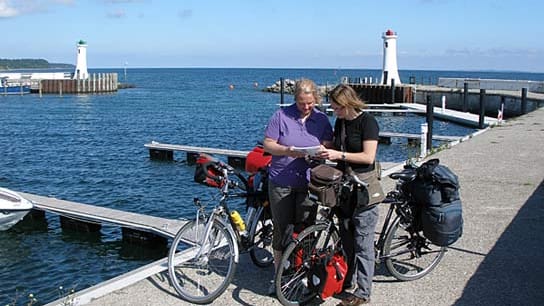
(327, 274)
(208, 171)
(257, 159)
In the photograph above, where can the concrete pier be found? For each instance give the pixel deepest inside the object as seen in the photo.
(497, 261)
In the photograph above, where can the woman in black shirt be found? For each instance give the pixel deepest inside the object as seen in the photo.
(355, 144)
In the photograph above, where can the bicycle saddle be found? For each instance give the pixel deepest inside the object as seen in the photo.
(404, 175)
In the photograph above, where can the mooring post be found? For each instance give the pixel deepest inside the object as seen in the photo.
(281, 91)
(392, 90)
(500, 114)
(465, 96)
(524, 101)
(430, 113)
(482, 109)
(423, 141)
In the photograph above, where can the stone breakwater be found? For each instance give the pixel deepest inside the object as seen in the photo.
(289, 87)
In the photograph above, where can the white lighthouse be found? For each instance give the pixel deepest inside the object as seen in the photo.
(81, 63)
(390, 70)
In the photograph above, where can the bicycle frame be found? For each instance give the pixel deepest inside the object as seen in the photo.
(220, 213)
(385, 228)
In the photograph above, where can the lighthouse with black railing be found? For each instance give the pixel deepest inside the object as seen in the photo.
(81, 62)
(390, 70)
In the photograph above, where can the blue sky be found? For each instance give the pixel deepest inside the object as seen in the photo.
(432, 34)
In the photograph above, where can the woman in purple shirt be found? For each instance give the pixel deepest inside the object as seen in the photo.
(298, 125)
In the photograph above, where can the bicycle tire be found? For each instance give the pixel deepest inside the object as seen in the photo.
(201, 280)
(409, 255)
(290, 281)
(260, 237)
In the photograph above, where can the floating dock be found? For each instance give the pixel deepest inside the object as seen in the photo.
(136, 228)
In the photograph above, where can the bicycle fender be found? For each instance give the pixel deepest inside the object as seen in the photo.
(231, 232)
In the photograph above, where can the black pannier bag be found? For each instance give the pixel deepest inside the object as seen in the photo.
(436, 193)
(325, 182)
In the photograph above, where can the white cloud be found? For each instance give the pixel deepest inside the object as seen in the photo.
(12, 8)
(7, 10)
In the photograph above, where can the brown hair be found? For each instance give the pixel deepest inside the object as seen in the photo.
(306, 86)
(346, 96)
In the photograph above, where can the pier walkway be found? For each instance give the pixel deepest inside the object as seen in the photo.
(99, 215)
(498, 261)
(464, 118)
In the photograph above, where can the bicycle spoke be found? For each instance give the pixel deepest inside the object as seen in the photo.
(261, 241)
(409, 256)
(292, 279)
(200, 271)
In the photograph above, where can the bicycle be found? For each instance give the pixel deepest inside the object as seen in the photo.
(407, 254)
(204, 254)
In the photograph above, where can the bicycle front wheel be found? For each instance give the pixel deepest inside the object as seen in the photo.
(260, 237)
(408, 254)
(201, 269)
(291, 278)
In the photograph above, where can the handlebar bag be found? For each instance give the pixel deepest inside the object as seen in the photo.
(325, 183)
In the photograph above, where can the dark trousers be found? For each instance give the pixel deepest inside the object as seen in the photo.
(289, 205)
(357, 234)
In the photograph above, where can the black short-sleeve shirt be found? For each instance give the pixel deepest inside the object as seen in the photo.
(364, 127)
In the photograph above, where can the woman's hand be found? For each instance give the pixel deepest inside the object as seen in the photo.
(330, 154)
(295, 154)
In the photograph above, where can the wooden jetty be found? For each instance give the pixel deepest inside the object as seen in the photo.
(136, 228)
(96, 83)
(463, 118)
(385, 137)
(164, 151)
(236, 158)
(63, 83)
(378, 93)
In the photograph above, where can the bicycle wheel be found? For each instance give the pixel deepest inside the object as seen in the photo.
(408, 255)
(260, 237)
(202, 278)
(291, 278)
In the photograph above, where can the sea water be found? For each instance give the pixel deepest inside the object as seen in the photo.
(90, 149)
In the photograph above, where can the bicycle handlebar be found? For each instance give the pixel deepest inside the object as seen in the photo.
(225, 169)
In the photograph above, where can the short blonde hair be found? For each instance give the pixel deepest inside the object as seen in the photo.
(306, 86)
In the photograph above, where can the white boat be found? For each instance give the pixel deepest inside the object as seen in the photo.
(13, 207)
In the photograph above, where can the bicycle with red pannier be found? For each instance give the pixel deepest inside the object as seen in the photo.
(204, 253)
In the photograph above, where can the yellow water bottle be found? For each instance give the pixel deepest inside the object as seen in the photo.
(237, 220)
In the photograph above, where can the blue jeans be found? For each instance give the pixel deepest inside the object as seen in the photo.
(357, 234)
